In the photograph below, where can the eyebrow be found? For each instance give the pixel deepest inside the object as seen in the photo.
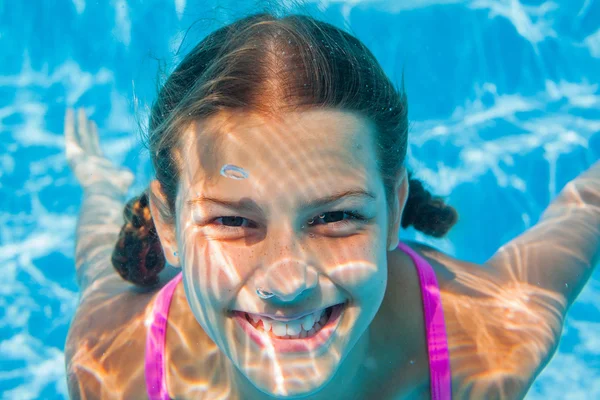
(250, 205)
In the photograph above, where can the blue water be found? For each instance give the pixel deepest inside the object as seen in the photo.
(504, 103)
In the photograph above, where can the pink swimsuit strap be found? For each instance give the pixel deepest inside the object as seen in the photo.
(156, 378)
(435, 328)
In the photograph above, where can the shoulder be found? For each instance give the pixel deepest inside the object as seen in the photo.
(104, 351)
(495, 328)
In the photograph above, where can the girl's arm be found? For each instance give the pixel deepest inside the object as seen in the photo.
(559, 253)
(505, 319)
(104, 187)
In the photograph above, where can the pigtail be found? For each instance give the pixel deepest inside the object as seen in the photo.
(428, 214)
(138, 255)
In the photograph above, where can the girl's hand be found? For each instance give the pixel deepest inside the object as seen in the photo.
(85, 157)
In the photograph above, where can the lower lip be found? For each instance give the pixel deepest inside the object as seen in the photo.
(300, 345)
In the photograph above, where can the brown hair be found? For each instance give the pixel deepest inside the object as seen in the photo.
(269, 65)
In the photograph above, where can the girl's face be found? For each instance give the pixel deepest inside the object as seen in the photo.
(282, 232)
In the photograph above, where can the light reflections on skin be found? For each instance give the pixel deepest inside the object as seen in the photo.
(501, 330)
(543, 270)
(354, 270)
(527, 338)
(212, 265)
(277, 279)
(219, 273)
(503, 319)
(99, 357)
(222, 274)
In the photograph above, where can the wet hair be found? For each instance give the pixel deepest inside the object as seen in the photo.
(138, 256)
(270, 65)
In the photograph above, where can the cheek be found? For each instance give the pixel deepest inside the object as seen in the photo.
(363, 279)
(212, 270)
(364, 267)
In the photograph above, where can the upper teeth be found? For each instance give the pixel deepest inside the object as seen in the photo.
(291, 328)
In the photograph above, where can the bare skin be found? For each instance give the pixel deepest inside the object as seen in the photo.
(503, 318)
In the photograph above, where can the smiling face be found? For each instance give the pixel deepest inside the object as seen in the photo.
(282, 231)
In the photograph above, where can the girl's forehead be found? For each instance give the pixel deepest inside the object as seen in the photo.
(297, 157)
(299, 137)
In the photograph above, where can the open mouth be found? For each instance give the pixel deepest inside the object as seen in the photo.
(302, 334)
(304, 327)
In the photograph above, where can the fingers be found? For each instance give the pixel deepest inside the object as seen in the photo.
(83, 131)
(69, 126)
(81, 138)
(71, 143)
(86, 134)
(95, 141)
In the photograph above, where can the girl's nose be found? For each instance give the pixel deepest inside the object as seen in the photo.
(289, 279)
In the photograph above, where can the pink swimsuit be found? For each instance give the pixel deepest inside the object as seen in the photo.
(437, 343)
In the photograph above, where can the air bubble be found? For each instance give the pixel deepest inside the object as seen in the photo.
(233, 172)
(263, 294)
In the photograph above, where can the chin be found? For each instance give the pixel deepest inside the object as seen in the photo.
(296, 368)
(295, 382)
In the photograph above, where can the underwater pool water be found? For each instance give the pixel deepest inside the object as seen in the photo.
(504, 104)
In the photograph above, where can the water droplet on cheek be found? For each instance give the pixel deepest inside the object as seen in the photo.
(233, 172)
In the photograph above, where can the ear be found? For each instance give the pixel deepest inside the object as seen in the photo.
(401, 189)
(164, 226)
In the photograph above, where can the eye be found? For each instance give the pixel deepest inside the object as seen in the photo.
(232, 221)
(336, 218)
(339, 218)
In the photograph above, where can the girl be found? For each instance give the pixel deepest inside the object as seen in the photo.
(279, 148)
